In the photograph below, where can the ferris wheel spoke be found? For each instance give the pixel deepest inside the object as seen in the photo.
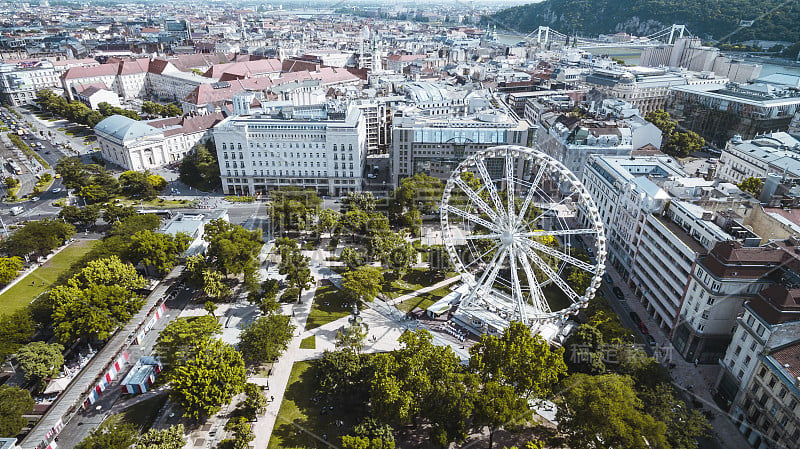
(472, 217)
(476, 198)
(532, 244)
(519, 300)
(490, 276)
(480, 258)
(549, 208)
(531, 192)
(510, 184)
(540, 233)
(489, 185)
(537, 296)
(481, 236)
(548, 271)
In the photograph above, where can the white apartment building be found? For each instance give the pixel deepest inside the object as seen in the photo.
(669, 244)
(760, 369)
(20, 82)
(139, 145)
(770, 415)
(625, 190)
(720, 283)
(777, 153)
(323, 147)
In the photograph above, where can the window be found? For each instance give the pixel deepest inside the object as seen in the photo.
(750, 320)
(705, 314)
(747, 360)
(738, 350)
(772, 381)
(782, 394)
(762, 372)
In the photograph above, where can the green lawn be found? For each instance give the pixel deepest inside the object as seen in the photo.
(412, 281)
(300, 422)
(309, 343)
(424, 300)
(330, 304)
(143, 414)
(22, 293)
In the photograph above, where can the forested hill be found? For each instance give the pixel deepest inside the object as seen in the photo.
(708, 19)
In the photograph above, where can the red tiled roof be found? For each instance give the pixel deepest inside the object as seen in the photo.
(89, 72)
(83, 89)
(244, 69)
(133, 67)
(777, 304)
(406, 58)
(188, 124)
(789, 358)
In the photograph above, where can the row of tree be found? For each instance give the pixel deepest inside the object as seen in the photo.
(77, 112)
(164, 110)
(97, 185)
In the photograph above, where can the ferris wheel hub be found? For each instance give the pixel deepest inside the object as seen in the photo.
(507, 238)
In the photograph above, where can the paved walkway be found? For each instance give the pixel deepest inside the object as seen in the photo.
(69, 402)
(424, 290)
(685, 374)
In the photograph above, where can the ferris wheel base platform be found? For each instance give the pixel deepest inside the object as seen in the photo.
(481, 321)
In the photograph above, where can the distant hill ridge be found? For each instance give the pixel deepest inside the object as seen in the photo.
(774, 20)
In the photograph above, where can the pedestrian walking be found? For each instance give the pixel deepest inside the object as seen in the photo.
(696, 361)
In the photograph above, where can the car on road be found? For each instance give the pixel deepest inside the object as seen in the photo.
(57, 190)
(35, 198)
(618, 293)
(635, 317)
(643, 328)
(650, 340)
(17, 210)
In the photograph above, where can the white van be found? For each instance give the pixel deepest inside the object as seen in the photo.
(16, 210)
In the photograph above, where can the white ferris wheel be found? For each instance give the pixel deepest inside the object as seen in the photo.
(513, 238)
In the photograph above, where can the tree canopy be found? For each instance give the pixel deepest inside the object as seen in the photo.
(181, 338)
(200, 169)
(14, 403)
(518, 359)
(37, 238)
(363, 283)
(604, 411)
(266, 338)
(40, 360)
(157, 250)
(211, 378)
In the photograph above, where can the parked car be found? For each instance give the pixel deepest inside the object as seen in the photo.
(609, 280)
(643, 328)
(635, 317)
(16, 210)
(57, 190)
(618, 293)
(650, 340)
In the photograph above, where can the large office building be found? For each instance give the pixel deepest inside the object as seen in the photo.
(719, 112)
(270, 145)
(625, 189)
